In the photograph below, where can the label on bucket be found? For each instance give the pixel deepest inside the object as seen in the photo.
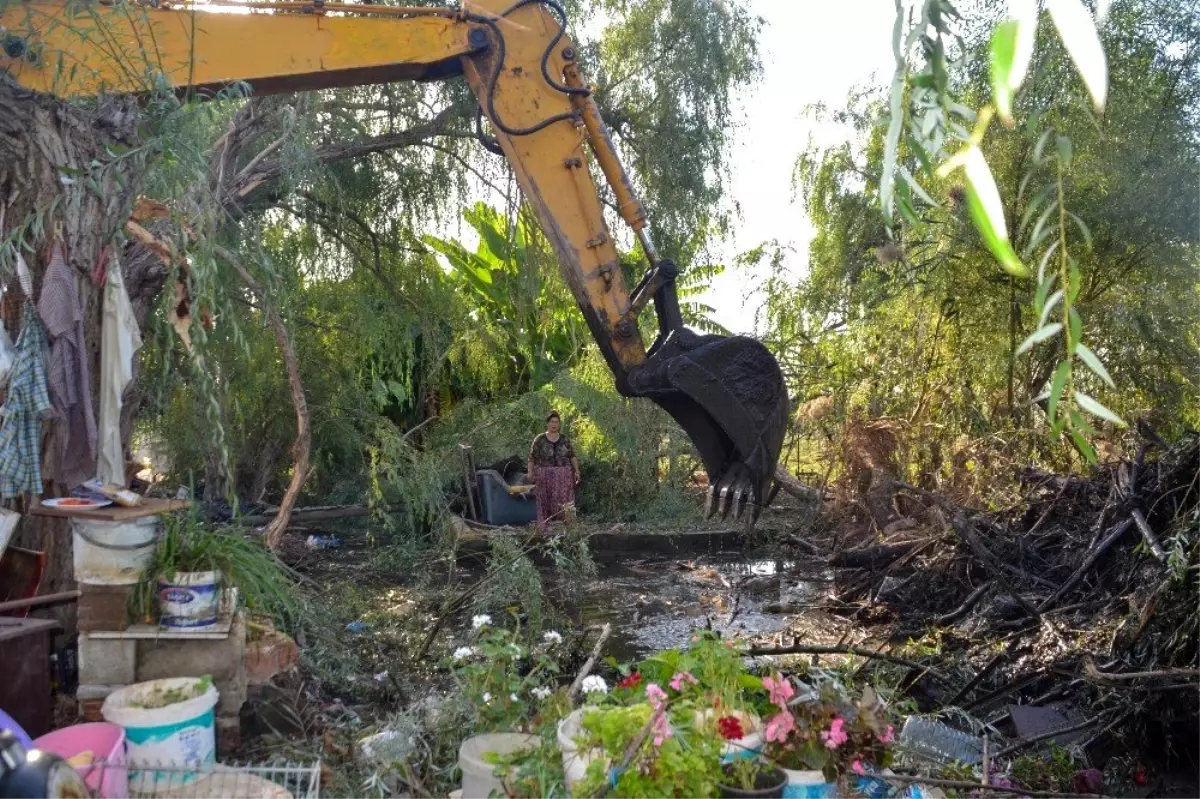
(188, 606)
(180, 596)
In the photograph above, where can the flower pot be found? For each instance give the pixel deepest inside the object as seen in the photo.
(808, 785)
(768, 783)
(189, 599)
(575, 762)
(479, 779)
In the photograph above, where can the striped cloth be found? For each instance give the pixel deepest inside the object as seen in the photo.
(26, 403)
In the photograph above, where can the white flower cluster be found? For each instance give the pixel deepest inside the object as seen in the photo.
(463, 652)
(594, 685)
(541, 692)
(482, 620)
(551, 637)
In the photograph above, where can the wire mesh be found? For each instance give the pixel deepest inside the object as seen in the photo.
(281, 780)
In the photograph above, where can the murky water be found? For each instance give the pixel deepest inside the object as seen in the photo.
(656, 602)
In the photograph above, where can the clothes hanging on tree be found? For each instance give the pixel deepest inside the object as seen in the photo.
(120, 339)
(69, 373)
(26, 403)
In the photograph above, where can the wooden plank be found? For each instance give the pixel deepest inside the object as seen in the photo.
(114, 512)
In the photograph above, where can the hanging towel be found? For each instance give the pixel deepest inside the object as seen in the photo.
(119, 340)
(25, 404)
(69, 373)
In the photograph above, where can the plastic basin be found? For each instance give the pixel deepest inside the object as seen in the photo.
(107, 776)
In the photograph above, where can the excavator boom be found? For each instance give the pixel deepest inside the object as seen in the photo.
(727, 393)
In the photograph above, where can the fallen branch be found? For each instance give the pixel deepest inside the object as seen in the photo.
(788, 483)
(1148, 534)
(605, 631)
(1093, 673)
(965, 607)
(812, 649)
(978, 678)
(870, 557)
(964, 784)
(1092, 557)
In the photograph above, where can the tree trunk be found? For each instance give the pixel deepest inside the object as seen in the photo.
(59, 179)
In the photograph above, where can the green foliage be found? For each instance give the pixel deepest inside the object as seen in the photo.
(685, 764)
(188, 545)
(913, 322)
(501, 678)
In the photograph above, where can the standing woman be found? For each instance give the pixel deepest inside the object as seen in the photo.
(554, 469)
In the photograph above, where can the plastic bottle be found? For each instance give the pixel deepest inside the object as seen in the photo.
(940, 742)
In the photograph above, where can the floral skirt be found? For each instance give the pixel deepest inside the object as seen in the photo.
(555, 488)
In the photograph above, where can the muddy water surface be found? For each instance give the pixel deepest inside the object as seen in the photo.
(656, 602)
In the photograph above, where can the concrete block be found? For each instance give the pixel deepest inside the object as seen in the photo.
(106, 661)
(223, 660)
(91, 699)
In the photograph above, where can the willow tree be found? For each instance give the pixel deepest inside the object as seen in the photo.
(362, 168)
(921, 325)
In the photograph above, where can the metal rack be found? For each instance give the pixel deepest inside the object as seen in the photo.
(280, 780)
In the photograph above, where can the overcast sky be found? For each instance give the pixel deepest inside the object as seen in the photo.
(812, 51)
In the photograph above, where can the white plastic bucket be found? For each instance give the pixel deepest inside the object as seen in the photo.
(575, 762)
(479, 781)
(189, 599)
(113, 553)
(179, 738)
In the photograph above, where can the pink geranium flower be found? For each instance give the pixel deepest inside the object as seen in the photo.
(888, 736)
(835, 736)
(857, 768)
(656, 695)
(780, 726)
(662, 730)
(680, 678)
(780, 689)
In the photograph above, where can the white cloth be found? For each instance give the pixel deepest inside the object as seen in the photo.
(120, 339)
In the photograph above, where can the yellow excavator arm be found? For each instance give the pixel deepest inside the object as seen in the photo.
(727, 393)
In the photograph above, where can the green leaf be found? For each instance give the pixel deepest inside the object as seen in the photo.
(1078, 33)
(1061, 375)
(1076, 331)
(1039, 149)
(1092, 362)
(1040, 231)
(1003, 50)
(1054, 300)
(1093, 407)
(916, 187)
(1034, 206)
(1085, 449)
(922, 156)
(987, 212)
(1043, 291)
(1038, 336)
(1074, 280)
(1046, 259)
(1063, 145)
(1083, 230)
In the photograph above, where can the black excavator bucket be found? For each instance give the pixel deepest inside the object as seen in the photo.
(729, 396)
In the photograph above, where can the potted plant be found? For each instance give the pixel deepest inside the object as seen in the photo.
(192, 564)
(751, 777)
(819, 733)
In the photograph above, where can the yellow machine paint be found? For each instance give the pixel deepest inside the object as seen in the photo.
(727, 393)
